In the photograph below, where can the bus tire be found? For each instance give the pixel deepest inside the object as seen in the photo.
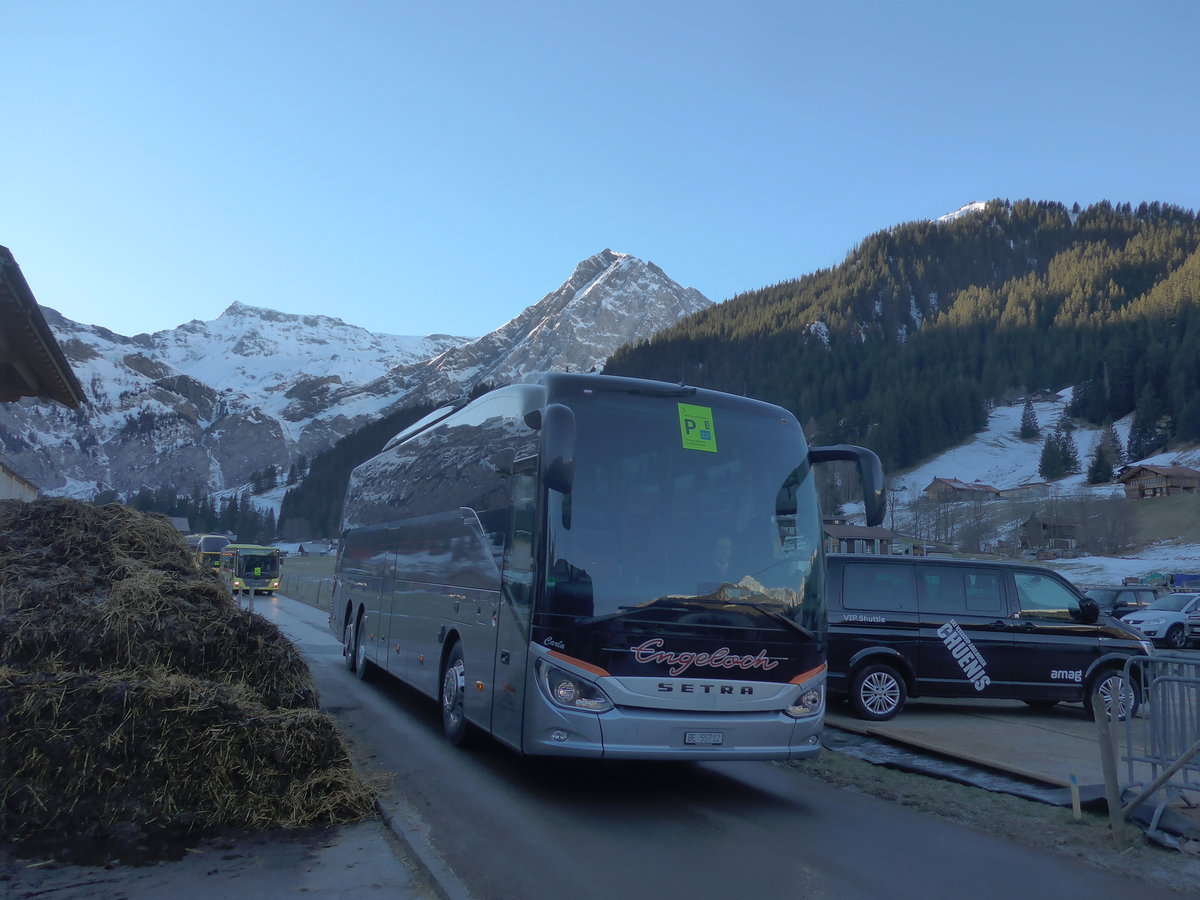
(453, 701)
(348, 644)
(362, 665)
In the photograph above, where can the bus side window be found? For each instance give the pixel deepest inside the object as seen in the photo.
(522, 525)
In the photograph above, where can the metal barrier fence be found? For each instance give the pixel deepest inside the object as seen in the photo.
(1162, 743)
(308, 589)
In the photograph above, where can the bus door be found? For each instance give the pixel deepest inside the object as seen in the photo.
(516, 597)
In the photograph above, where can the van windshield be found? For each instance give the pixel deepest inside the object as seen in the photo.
(651, 520)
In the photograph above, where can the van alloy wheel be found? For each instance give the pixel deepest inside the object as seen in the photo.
(877, 692)
(1118, 699)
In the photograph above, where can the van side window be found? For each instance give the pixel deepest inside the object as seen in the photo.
(1043, 597)
(866, 586)
(959, 590)
(983, 592)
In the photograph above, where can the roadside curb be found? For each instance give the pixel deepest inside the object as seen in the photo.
(408, 827)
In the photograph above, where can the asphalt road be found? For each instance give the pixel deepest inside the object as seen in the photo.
(486, 823)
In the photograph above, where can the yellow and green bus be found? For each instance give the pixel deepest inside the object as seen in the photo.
(250, 568)
(208, 550)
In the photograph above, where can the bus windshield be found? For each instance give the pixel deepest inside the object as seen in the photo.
(653, 518)
(258, 564)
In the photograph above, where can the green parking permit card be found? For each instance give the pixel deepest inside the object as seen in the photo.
(696, 428)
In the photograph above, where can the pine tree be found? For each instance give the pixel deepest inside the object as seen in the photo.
(1070, 452)
(1029, 422)
(1100, 467)
(1051, 466)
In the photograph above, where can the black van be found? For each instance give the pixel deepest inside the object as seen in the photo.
(904, 627)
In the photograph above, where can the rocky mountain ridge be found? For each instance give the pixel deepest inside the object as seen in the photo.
(201, 407)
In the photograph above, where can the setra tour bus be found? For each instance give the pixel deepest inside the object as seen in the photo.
(598, 566)
(250, 568)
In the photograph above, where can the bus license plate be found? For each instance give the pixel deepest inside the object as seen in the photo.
(703, 737)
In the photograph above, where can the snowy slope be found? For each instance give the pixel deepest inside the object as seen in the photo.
(999, 458)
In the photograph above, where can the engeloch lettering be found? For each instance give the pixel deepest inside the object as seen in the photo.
(649, 651)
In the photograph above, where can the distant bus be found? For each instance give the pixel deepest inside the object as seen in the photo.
(208, 550)
(250, 568)
(599, 567)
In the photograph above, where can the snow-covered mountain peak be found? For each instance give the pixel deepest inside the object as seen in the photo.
(205, 405)
(977, 206)
(611, 299)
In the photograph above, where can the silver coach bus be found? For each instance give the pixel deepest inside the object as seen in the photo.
(599, 567)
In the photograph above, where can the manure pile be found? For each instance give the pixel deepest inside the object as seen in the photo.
(139, 705)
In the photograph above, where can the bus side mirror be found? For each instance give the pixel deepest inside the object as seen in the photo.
(869, 470)
(558, 447)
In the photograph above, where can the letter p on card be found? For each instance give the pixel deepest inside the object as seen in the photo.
(696, 428)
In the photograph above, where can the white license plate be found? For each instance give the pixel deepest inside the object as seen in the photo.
(703, 737)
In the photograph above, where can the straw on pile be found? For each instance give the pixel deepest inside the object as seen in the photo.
(139, 705)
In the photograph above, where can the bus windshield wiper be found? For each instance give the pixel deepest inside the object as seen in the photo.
(768, 611)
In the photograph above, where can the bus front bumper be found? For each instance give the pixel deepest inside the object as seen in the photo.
(629, 733)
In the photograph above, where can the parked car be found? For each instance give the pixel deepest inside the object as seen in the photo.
(903, 627)
(1165, 621)
(1123, 599)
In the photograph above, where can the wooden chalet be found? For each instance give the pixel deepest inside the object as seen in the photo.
(31, 362)
(1142, 481)
(951, 490)
(1031, 490)
(1043, 532)
(14, 486)
(843, 538)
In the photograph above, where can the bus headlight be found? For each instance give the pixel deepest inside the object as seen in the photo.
(807, 704)
(570, 692)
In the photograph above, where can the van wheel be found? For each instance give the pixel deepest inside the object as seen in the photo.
(1117, 698)
(877, 692)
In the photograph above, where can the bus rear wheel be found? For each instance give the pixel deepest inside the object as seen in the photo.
(361, 665)
(454, 689)
(348, 653)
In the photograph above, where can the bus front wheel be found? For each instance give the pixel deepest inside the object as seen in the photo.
(454, 687)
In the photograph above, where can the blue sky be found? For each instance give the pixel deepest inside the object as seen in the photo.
(438, 166)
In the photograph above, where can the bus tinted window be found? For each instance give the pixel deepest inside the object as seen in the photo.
(651, 517)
